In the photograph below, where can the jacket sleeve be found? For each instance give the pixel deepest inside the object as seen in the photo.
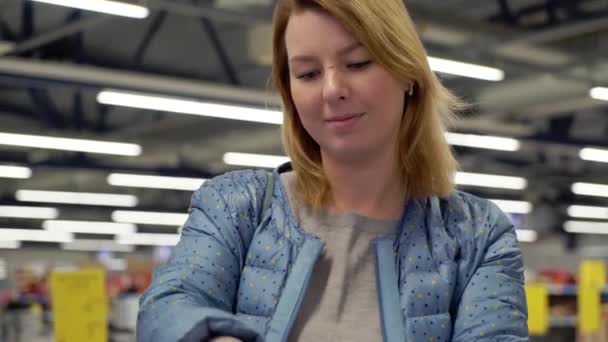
(192, 297)
(493, 304)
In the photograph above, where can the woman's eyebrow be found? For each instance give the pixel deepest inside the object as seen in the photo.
(343, 51)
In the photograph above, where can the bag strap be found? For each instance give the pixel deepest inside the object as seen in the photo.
(267, 194)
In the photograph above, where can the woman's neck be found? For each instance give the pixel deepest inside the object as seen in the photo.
(372, 188)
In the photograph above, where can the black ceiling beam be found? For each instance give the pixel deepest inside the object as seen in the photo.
(551, 8)
(27, 20)
(6, 33)
(53, 36)
(573, 9)
(10, 109)
(102, 117)
(77, 111)
(207, 10)
(506, 14)
(559, 127)
(45, 109)
(216, 42)
(154, 27)
(27, 24)
(222, 55)
(78, 53)
(79, 57)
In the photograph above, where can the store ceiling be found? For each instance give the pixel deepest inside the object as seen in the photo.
(56, 60)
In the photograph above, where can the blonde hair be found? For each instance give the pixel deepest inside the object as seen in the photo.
(385, 28)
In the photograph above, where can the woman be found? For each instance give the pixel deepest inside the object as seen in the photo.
(364, 238)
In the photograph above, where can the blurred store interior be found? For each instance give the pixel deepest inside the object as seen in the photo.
(109, 121)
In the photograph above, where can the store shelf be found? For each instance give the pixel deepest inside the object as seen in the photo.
(563, 322)
(561, 290)
(571, 290)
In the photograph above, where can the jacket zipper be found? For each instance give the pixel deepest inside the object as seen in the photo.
(388, 292)
(297, 282)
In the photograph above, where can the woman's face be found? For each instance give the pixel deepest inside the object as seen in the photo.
(350, 105)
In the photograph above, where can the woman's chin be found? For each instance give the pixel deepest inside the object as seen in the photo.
(347, 153)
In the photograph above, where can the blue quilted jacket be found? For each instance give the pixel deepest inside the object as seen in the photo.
(452, 271)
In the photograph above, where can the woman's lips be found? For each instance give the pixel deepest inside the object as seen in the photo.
(344, 121)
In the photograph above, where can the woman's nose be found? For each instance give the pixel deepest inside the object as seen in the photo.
(335, 86)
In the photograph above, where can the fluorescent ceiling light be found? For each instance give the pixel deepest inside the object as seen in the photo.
(513, 207)
(155, 182)
(526, 235)
(6, 47)
(581, 211)
(466, 69)
(37, 235)
(590, 189)
(584, 227)
(483, 141)
(490, 181)
(254, 160)
(10, 244)
(594, 154)
(19, 172)
(70, 144)
(89, 227)
(148, 239)
(146, 217)
(103, 6)
(79, 198)
(96, 246)
(186, 106)
(599, 93)
(28, 212)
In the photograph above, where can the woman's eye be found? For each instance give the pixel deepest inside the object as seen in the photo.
(360, 65)
(313, 74)
(308, 75)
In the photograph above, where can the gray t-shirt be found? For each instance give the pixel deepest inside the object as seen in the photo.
(341, 302)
